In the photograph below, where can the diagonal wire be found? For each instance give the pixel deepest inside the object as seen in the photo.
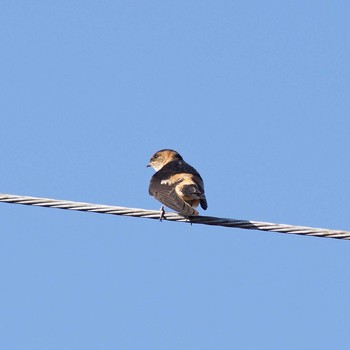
(155, 214)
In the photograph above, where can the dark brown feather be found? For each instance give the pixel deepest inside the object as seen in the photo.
(167, 195)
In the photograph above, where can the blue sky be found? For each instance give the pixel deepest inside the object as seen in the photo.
(255, 95)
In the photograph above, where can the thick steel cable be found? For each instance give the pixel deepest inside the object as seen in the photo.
(155, 214)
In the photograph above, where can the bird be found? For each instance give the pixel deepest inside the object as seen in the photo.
(176, 184)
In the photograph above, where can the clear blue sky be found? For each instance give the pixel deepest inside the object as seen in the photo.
(254, 94)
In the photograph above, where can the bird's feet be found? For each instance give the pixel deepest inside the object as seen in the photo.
(162, 212)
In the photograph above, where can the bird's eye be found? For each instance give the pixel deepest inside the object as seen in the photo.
(156, 156)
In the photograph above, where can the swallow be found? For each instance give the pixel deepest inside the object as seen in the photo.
(176, 184)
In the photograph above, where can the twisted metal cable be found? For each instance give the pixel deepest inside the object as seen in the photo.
(155, 214)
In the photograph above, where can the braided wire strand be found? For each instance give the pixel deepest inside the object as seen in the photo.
(170, 216)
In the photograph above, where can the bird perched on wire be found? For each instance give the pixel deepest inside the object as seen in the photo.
(176, 184)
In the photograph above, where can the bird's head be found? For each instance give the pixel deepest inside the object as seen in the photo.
(162, 157)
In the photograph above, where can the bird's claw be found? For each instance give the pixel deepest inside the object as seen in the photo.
(162, 212)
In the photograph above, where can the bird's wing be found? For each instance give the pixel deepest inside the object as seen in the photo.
(200, 186)
(193, 192)
(166, 194)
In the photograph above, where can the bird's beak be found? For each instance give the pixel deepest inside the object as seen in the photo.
(148, 165)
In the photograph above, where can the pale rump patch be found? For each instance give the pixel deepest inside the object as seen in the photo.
(184, 178)
(187, 180)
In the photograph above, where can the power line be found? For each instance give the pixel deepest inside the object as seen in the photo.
(154, 214)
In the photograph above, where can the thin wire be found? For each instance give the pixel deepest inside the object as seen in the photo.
(155, 214)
